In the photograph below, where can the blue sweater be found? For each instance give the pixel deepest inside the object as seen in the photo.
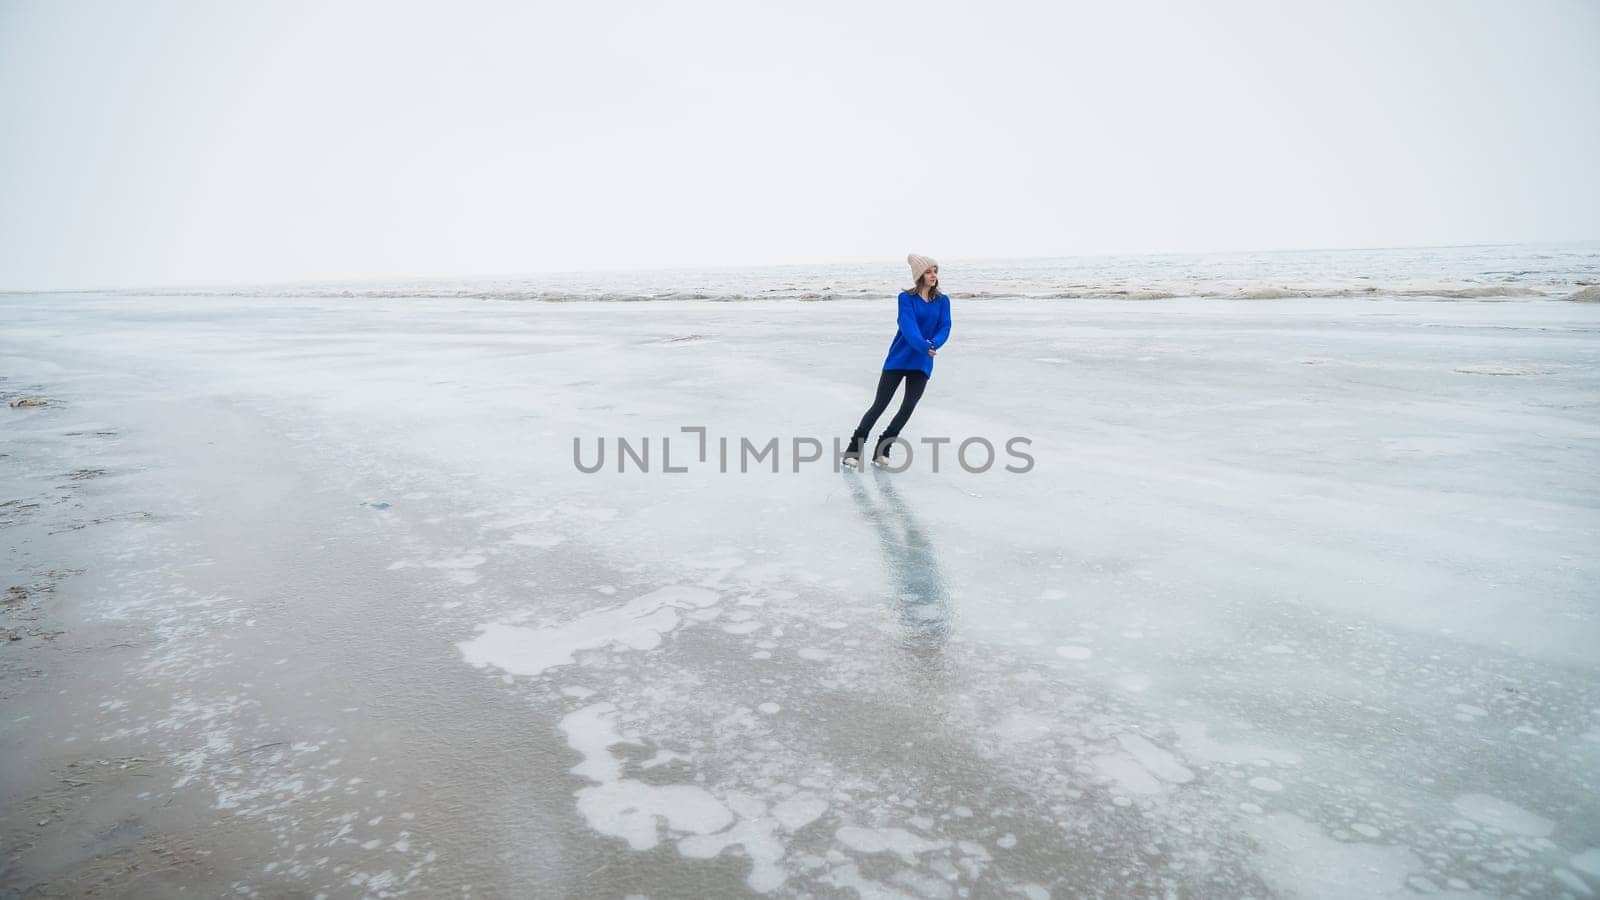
(923, 324)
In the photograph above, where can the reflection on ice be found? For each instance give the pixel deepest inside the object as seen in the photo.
(911, 562)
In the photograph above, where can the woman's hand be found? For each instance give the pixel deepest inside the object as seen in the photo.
(932, 352)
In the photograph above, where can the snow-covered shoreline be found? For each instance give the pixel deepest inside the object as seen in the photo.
(1484, 273)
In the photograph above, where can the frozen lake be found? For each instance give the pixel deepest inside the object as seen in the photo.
(1298, 598)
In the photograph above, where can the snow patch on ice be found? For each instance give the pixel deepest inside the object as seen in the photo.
(627, 809)
(1126, 773)
(637, 625)
(799, 811)
(849, 876)
(590, 732)
(898, 841)
(632, 810)
(755, 835)
(702, 825)
(1197, 747)
(1487, 810)
(1301, 861)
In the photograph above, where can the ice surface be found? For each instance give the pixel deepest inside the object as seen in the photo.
(1299, 598)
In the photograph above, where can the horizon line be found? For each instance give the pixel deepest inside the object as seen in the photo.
(481, 276)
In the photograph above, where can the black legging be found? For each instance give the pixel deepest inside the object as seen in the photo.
(887, 382)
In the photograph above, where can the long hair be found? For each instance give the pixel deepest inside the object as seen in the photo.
(917, 288)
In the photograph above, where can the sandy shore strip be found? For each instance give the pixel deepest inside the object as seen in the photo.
(308, 598)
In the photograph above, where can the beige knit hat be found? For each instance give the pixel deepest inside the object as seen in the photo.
(920, 264)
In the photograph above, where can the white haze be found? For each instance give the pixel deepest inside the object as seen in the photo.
(191, 143)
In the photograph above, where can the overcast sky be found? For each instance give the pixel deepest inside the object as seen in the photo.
(146, 144)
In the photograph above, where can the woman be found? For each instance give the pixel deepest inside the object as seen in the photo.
(924, 322)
